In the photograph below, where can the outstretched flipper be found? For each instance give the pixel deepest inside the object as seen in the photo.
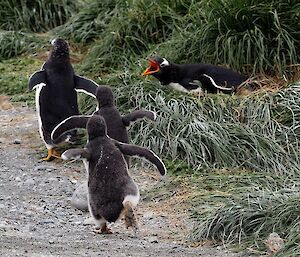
(85, 85)
(36, 78)
(134, 150)
(77, 121)
(76, 153)
(138, 114)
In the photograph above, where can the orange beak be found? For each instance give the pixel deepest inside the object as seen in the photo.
(153, 68)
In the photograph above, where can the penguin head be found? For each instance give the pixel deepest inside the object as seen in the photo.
(60, 47)
(157, 67)
(96, 127)
(104, 96)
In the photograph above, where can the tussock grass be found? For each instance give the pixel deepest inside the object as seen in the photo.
(34, 15)
(259, 36)
(89, 23)
(126, 29)
(13, 43)
(259, 132)
(254, 215)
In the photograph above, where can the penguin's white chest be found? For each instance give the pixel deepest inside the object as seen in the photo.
(178, 87)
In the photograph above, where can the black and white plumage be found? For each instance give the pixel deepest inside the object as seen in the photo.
(116, 123)
(186, 77)
(56, 98)
(111, 190)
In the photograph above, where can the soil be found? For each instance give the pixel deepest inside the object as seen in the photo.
(37, 219)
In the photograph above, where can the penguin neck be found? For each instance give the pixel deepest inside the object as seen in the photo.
(60, 57)
(171, 75)
(60, 63)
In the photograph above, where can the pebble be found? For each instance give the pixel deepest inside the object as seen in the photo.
(29, 182)
(153, 239)
(148, 215)
(41, 168)
(47, 221)
(17, 142)
(88, 221)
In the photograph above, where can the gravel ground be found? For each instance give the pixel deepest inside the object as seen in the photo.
(37, 219)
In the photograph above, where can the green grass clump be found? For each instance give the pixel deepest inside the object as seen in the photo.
(89, 23)
(13, 43)
(259, 36)
(14, 77)
(34, 15)
(133, 27)
(252, 215)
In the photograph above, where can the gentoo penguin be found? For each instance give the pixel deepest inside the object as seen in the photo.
(56, 98)
(111, 190)
(116, 124)
(185, 77)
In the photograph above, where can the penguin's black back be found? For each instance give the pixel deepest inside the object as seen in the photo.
(109, 181)
(58, 99)
(186, 73)
(219, 74)
(115, 126)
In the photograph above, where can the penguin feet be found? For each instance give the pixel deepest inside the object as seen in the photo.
(103, 230)
(130, 220)
(51, 154)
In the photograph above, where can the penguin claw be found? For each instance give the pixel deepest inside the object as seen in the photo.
(51, 154)
(103, 230)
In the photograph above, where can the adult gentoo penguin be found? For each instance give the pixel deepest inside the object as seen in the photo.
(111, 190)
(56, 98)
(185, 77)
(116, 124)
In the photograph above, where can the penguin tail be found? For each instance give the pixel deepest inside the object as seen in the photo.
(129, 216)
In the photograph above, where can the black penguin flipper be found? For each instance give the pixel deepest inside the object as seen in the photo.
(37, 78)
(77, 121)
(76, 154)
(138, 114)
(133, 150)
(85, 85)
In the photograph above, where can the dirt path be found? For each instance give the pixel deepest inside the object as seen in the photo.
(36, 218)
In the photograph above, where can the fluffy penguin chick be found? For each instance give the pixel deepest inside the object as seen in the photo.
(111, 190)
(186, 77)
(116, 124)
(56, 98)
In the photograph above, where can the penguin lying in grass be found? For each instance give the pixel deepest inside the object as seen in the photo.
(116, 124)
(56, 97)
(111, 190)
(185, 77)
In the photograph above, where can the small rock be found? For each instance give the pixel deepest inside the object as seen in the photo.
(17, 141)
(148, 215)
(18, 179)
(79, 197)
(153, 239)
(47, 221)
(42, 167)
(88, 221)
(29, 182)
(274, 243)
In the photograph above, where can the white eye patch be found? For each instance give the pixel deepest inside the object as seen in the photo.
(164, 63)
